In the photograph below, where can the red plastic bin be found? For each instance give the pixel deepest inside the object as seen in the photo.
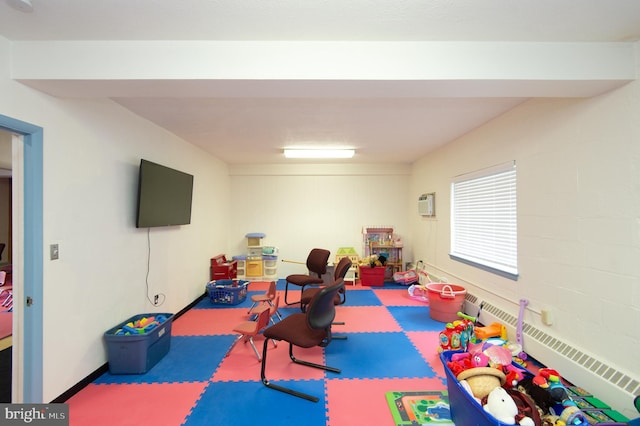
(372, 276)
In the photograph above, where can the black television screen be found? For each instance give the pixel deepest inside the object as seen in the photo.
(164, 196)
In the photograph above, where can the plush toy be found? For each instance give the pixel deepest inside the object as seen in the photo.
(374, 260)
(501, 406)
(514, 376)
(465, 360)
(476, 359)
(381, 260)
(528, 413)
(549, 379)
(540, 396)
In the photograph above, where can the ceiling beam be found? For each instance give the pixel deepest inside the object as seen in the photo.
(322, 69)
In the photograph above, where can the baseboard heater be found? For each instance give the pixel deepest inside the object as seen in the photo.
(616, 388)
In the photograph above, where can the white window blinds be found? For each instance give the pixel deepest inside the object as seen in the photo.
(484, 220)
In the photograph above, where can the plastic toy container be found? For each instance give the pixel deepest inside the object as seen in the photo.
(464, 409)
(445, 301)
(138, 353)
(372, 276)
(227, 292)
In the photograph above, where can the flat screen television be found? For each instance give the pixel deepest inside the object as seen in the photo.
(164, 196)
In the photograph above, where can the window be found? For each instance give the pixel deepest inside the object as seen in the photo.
(483, 219)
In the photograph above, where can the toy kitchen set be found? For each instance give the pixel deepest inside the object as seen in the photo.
(259, 263)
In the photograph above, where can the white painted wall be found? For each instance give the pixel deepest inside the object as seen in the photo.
(299, 208)
(578, 230)
(92, 149)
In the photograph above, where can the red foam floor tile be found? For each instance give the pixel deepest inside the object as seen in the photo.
(243, 365)
(358, 286)
(364, 319)
(398, 297)
(363, 402)
(134, 404)
(258, 286)
(207, 322)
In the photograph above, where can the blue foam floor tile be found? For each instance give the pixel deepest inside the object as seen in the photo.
(376, 355)
(390, 285)
(190, 359)
(281, 284)
(415, 318)
(362, 298)
(252, 403)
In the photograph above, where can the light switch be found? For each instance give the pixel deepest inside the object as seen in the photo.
(54, 253)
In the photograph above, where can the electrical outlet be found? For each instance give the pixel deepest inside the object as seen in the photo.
(155, 299)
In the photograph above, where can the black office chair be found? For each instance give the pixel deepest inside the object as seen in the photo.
(304, 330)
(317, 266)
(339, 272)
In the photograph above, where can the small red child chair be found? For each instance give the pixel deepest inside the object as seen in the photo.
(265, 299)
(249, 329)
(272, 308)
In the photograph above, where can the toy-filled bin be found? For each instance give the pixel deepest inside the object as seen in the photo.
(137, 344)
(464, 409)
(372, 276)
(227, 292)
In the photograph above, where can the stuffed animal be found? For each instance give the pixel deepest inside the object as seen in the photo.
(540, 396)
(528, 413)
(501, 406)
(514, 376)
(465, 360)
(374, 260)
(549, 379)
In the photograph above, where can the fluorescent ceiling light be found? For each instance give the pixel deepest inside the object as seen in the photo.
(319, 153)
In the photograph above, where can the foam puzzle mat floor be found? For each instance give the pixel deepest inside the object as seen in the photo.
(391, 345)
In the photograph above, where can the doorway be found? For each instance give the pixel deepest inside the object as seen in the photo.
(27, 259)
(6, 281)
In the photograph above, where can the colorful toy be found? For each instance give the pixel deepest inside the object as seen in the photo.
(457, 335)
(141, 326)
(549, 379)
(519, 335)
(573, 416)
(514, 376)
(494, 330)
(374, 260)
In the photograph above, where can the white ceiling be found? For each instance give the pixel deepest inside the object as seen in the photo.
(383, 121)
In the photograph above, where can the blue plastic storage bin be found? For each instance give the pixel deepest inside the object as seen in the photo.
(138, 353)
(227, 292)
(464, 409)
